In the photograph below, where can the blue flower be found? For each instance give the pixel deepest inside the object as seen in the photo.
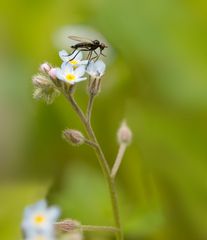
(70, 75)
(39, 219)
(74, 59)
(96, 69)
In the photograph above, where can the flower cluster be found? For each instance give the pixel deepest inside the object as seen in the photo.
(38, 221)
(72, 70)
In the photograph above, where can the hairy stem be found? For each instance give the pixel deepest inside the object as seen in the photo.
(71, 225)
(76, 108)
(110, 181)
(100, 155)
(99, 228)
(117, 163)
(89, 107)
(105, 168)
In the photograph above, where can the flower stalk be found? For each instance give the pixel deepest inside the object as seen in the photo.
(117, 163)
(64, 80)
(72, 225)
(102, 160)
(86, 120)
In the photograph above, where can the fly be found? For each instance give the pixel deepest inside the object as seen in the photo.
(87, 45)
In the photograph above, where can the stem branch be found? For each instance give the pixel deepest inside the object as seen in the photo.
(99, 228)
(117, 163)
(100, 155)
(89, 107)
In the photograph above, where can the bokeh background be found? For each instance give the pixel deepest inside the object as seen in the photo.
(156, 79)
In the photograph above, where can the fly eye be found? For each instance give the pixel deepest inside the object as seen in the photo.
(96, 42)
(103, 45)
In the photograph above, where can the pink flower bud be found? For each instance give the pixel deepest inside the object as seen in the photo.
(41, 81)
(73, 136)
(45, 67)
(124, 134)
(52, 73)
(68, 225)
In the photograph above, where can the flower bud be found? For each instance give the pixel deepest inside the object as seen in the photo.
(41, 81)
(124, 134)
(45, 67)
(52, 73)
(44, 88)
(94, 85)
(68, 225)
(73, 136)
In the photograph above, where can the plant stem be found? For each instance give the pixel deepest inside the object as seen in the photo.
(71, 225)
(110, 181)
(117, 163)
(89, 107)
(76, 108)
(105, 168)
(100, 155)
(99, 228)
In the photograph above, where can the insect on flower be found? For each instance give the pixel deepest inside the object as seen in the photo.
(88, 45)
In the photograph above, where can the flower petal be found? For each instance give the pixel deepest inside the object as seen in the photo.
(60, 74)
(80, 79)
(41, 205)
(77, 55)
(84, 62)
(53, 213)
(91, 70)
(67, 68)
(63, 54)
(100, 67)
(80, 71)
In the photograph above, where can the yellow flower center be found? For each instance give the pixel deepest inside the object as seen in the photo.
(73, 62)
(39, 219)
(70, 77)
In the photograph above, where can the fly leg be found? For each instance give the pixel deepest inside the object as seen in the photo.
(95, 57)
(89, 58)
(80, 50)
(101, 53)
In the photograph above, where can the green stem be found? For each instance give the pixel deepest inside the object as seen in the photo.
(72, 225)
(99, 228)
(102, 160)
(105, 168)
(117, 163)
(89, 107)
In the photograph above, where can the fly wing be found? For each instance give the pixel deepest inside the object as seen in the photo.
(80, 39)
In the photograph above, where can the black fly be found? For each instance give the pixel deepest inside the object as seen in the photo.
(87, 45)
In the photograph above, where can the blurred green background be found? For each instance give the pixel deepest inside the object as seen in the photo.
(157, 80)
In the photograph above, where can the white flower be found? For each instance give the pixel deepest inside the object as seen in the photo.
(96, 69)
(70, 75)
(40, 236)
(39, 219)
(74, 59)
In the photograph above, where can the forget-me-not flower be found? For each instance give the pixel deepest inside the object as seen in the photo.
(70, 75)
(39, 219)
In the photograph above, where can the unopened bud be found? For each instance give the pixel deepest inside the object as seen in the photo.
(73, 136)
(94, 86)
(124, 134)
(44, 88)
(41, 81)
(52, 73)
(45, 67)
(68, 225)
